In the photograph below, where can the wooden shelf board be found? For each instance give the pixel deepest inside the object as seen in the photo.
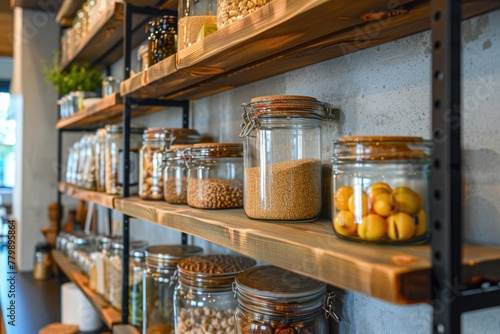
(107, 313)
(87, 195)
(277, 39)
(108, 110)
(395, 274)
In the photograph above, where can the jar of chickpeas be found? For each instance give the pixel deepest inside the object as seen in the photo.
(175, 174)
(381, 189)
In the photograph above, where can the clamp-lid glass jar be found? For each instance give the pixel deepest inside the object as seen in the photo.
(283, 157)
(197, 18)
(204, 295)
(274, 300)
(159, 283)
(380, 186)
(175, 174)
(114, 159)
(152, 161)
(215, 176)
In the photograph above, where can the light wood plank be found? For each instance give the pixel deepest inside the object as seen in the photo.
(87, 195)
(106, 312)
(396, 274)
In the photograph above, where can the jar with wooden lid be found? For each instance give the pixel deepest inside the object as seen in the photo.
(283, 153)
(152, 161)
(215, 176)
(175, 174)
(381, 189)
(229, 11)
(159, 282)
(197, 18)
(204, 296)
(114, 159)
(273, 300)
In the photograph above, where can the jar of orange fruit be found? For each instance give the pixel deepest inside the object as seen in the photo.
(380, 187)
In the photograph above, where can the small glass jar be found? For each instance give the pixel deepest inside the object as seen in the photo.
(229, 11)
(42, 266)
(283, 157)
(152, 161)
(381, 189)
(100, 160)
(196, 17)
(143, 58)
(116, 270)
(175, 174)
(114, 159)
(137, 268)
(110, 85)
(83, 245)
(204, 295)
(215, 176)
(162, 38)
(274, 300)
(159, 283)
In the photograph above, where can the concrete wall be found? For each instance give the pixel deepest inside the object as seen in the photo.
(36, 36)
(5, 68)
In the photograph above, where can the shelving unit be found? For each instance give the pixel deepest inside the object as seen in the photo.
(276, 39)
(109, 315)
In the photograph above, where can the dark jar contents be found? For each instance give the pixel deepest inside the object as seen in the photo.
(159, 282)
(272, 300)
(162, 38)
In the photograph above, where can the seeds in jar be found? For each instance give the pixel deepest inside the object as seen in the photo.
(190, 27)
(176, 190)
(289, 194)
(205, 320)
(231, 10)
(215, 193)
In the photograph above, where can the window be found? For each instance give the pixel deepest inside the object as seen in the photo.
(7, 139)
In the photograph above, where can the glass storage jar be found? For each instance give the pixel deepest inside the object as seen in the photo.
(152, 161)
(81, 161)
(69, 164)
(274, 300)
(137, 267)
(100, 160)
(114, 159)
(381, 189)
(110, 85)
(229, 11)
(116, 269)
(89, 179)
(162, 38)
(101, 267)
(203, 295)
(83, 245)
(159, 283)
(283, 157)
(215, 176)
(196, 18)
(175, 174)
(42, 266)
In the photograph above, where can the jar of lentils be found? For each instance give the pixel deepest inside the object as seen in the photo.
(283, 153)
(175, 174)
(159, 283)
(203, 299)
(215, 176)
(381, 189)
(152, 161)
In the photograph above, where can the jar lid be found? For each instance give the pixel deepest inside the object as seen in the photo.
(101, 133)
(135, 244)
(185, 136)
(217, 150)
(178, 151)
(288, 106)
(115, 128)
(137, 253)
(159, 134)
(84, 239)
(271, 282)
(212, 270)
(142, 49)
(381, 148)
(170, 254)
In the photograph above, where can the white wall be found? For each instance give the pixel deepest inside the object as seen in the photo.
(36, 36)
(5, 68)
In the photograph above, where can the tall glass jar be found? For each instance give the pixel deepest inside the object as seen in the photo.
(175, 174)
(215, 176)
(274, 300)
(114, 159)
(116, 270)
(152, 161)
(89, 176)
(381, 189)
(162, 38)
(100, 160)
(137, 268)
(159, 283)
(81, 161)
(204, 296)
(102, 263)
(283, 157)
(69, 165)
(195, 17)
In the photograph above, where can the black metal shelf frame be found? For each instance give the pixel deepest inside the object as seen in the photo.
(450, 297)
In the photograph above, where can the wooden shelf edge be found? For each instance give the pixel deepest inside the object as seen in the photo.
(96, 197)
(107, 313)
